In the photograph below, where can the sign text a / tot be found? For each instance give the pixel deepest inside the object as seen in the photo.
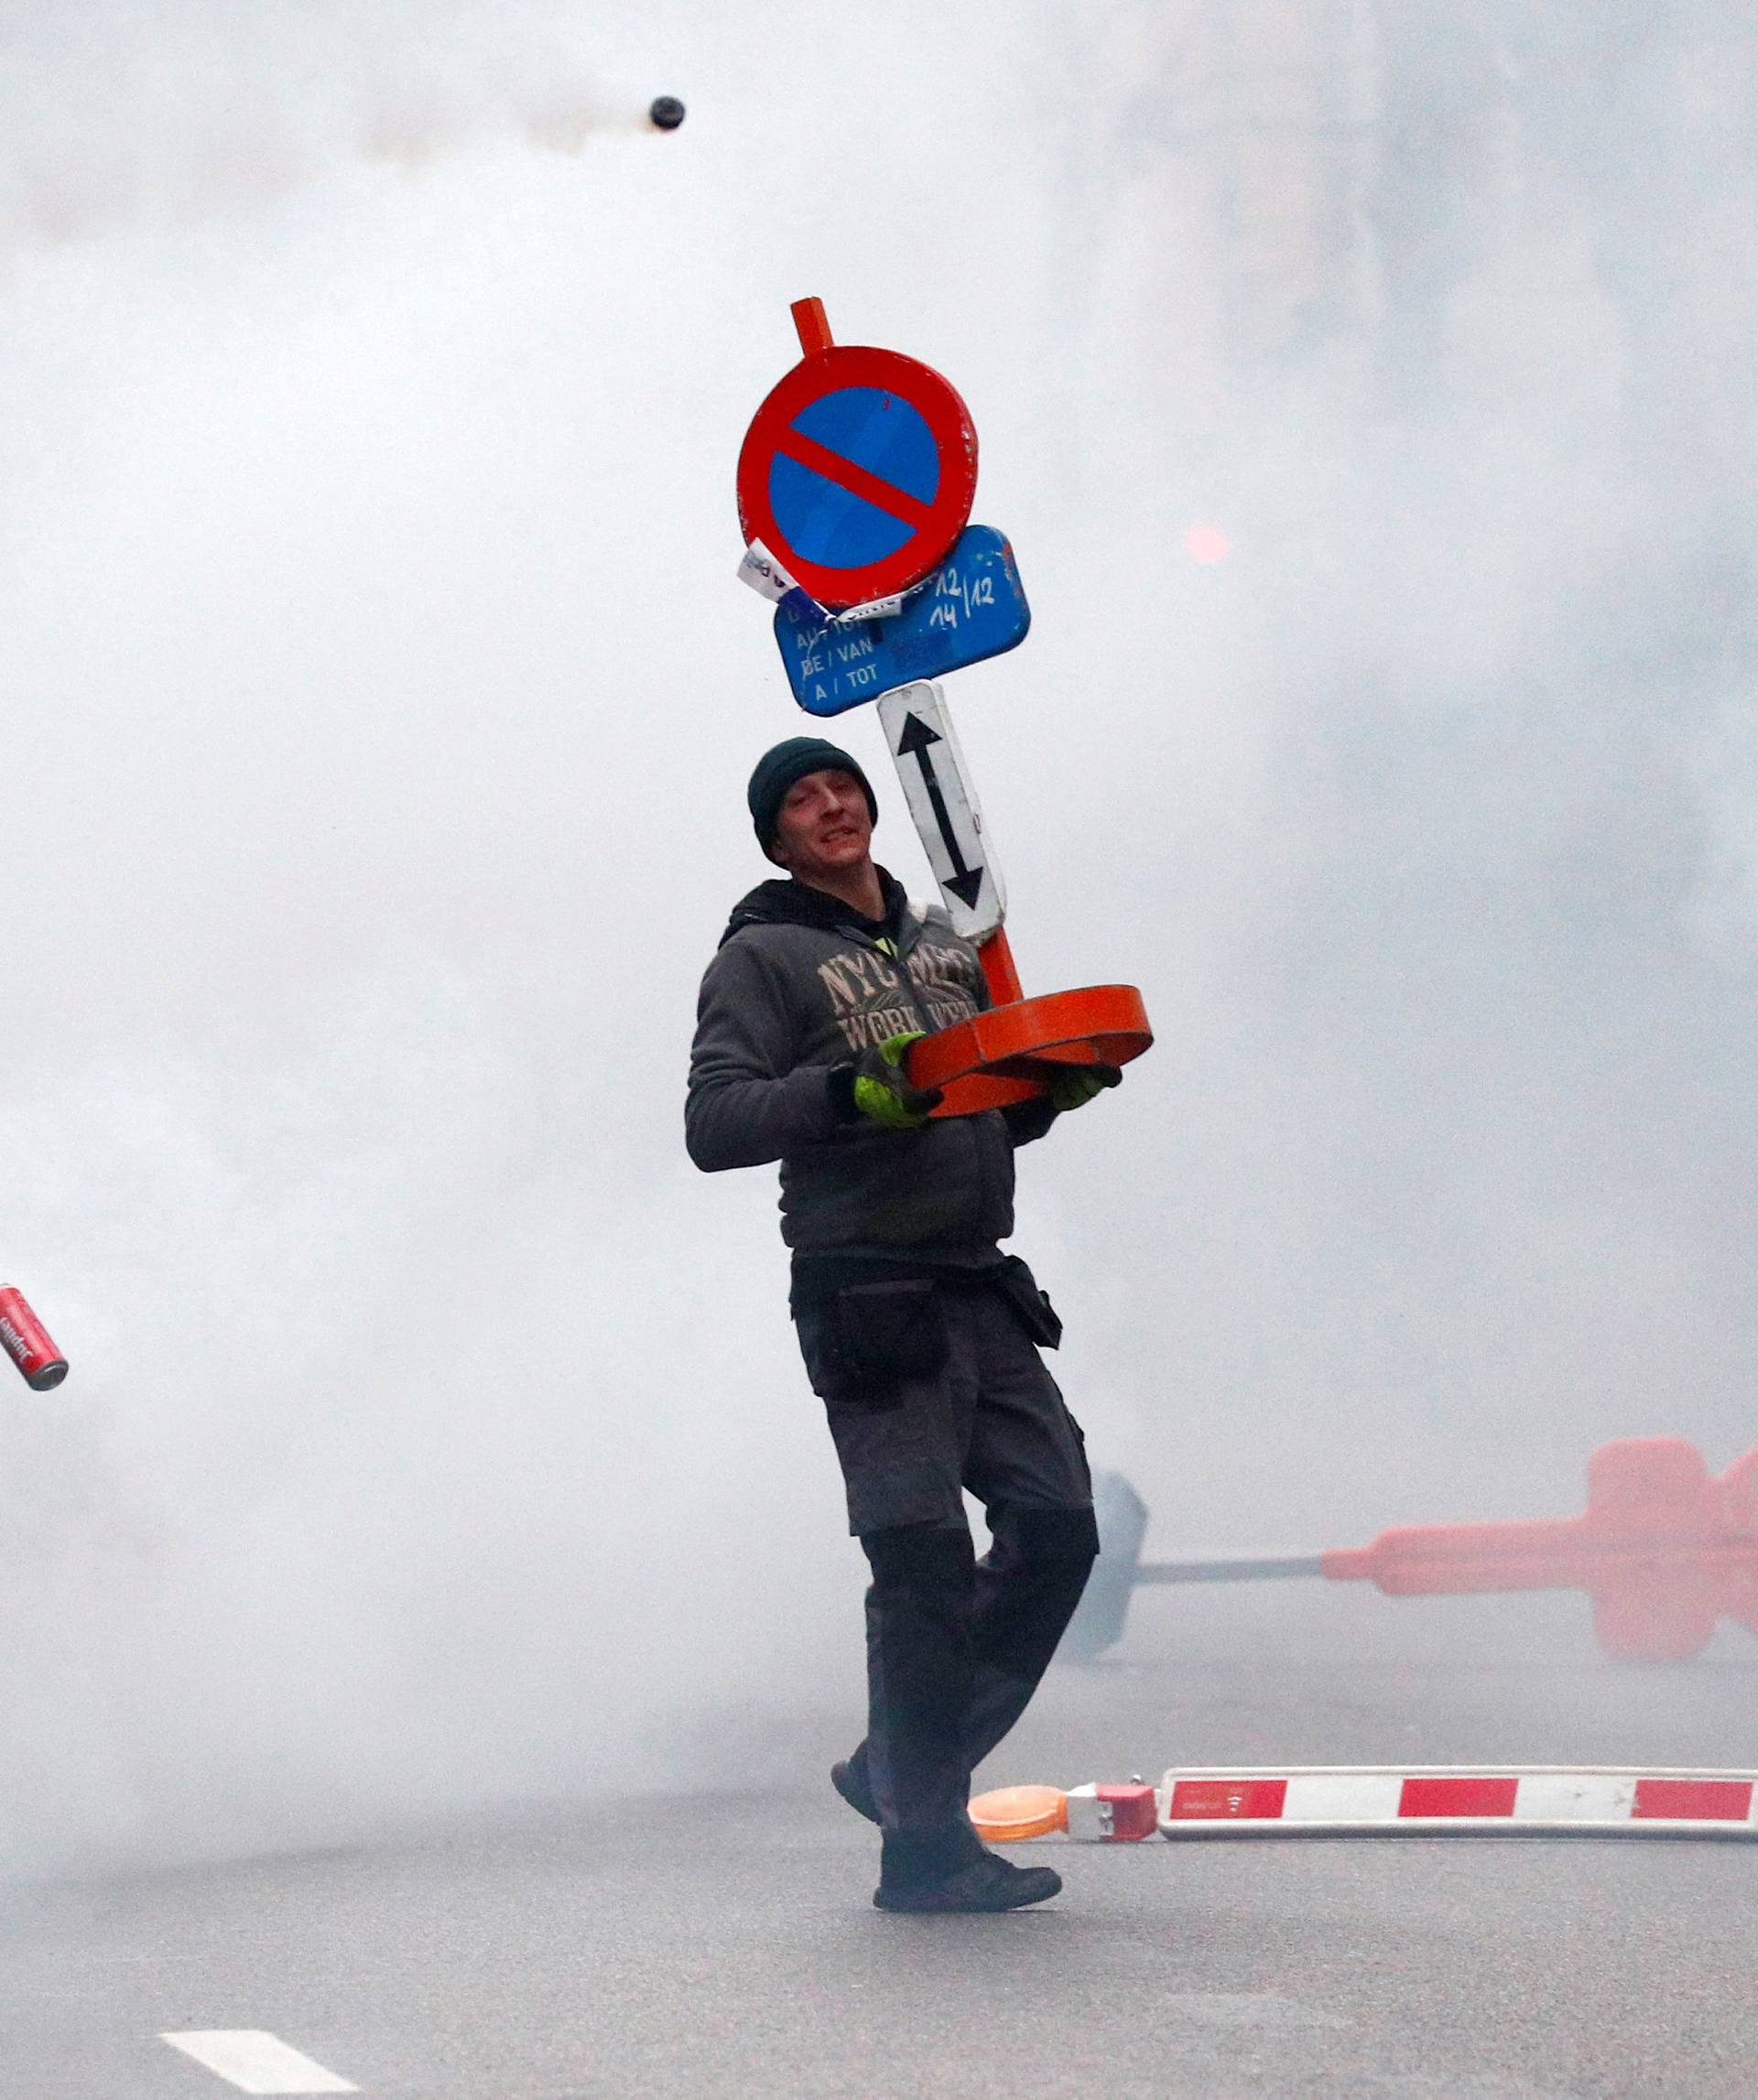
(943, 806)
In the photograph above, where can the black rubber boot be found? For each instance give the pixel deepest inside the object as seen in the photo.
(850, 1779)
(988, 1883)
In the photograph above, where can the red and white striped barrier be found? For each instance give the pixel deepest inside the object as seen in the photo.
(1507, 1801)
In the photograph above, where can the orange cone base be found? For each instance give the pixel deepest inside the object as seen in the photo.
(1011, 1053)
(1013, 1813)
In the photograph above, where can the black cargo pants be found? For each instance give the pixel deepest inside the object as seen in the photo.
(932, 1388)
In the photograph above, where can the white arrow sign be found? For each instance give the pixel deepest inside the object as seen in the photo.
(937, 786)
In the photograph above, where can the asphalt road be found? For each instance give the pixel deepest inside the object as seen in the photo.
(633, 1948)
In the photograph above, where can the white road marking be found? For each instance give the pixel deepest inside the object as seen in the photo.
(254, 2062)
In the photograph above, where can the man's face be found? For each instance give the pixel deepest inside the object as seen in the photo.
(823, 827)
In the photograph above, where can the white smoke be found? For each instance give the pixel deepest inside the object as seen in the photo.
(111, 115)
(379, 704)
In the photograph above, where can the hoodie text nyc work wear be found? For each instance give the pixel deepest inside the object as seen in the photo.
(801, 985)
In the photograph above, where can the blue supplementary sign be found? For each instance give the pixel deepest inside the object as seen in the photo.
(971, 607)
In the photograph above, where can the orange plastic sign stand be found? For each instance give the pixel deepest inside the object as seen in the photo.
(1666, 1550)
(1012, 1051)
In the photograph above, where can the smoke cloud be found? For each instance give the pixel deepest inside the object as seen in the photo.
(379, 708)
(114, 117)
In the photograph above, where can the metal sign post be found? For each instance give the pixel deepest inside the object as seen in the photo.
(855, 484)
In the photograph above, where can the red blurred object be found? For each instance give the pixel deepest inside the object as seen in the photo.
(1664, 1549)
(25, 1340)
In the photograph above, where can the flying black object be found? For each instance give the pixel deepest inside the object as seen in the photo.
(667, 113)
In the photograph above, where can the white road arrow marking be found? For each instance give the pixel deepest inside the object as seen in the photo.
(254, 2062)
(943, 803)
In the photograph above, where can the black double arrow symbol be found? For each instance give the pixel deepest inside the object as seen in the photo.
(918, 740)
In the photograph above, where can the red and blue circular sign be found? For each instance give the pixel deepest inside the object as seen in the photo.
(858, 473)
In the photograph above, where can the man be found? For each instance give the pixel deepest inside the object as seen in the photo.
(918, 1333)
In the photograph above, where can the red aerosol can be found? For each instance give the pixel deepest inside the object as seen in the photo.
(26, 1341)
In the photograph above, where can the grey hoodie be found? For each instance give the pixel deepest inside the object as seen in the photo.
(801, 986)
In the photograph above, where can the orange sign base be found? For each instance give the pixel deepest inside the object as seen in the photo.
(1011, 1053)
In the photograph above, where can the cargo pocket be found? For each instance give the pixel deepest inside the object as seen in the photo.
(863, 1342)
(1037, 1314)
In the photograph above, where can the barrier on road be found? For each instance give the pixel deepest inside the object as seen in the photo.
(1505, 1800)
(1381, 1801)
(1664, 1549)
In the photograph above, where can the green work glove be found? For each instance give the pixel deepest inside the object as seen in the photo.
(1081, 1084)
(882, 1087)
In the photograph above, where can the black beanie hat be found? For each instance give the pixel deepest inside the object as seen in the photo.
(778, 769)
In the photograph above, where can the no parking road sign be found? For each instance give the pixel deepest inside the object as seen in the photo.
(858, 471)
